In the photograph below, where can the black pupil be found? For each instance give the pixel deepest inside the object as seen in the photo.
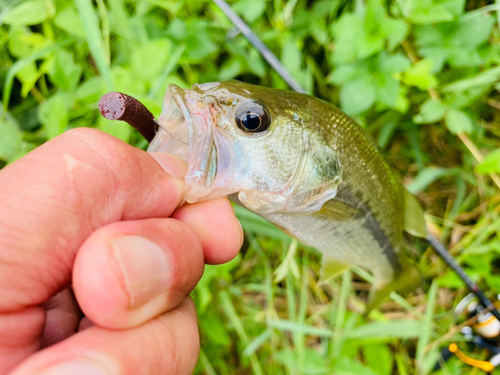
(253, 118)
(251, 121)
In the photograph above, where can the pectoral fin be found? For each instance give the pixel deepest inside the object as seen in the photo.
(331, 268)
(340, 211)
(414, 222)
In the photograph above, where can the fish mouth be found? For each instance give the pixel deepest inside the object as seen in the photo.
(185, 131)
(174, 122)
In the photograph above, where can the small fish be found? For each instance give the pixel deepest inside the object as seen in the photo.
(301, 164)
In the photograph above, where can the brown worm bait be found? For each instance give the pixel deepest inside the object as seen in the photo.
(122, 107)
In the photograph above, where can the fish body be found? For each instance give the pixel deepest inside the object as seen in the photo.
(298, 162)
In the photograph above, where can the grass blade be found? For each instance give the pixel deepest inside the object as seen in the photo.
(402, 329)
(233, 317)
(426, 331)
(257, 342)
(20, 64)
(207, 366)
(172, 63)
(302, 328)
(487, 77)
(338, 339)
(94, 39)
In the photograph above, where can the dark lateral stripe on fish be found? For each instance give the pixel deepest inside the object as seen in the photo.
(346, 195)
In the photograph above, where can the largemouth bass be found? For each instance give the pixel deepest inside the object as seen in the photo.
(301, 164)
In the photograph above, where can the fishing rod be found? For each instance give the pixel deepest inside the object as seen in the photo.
(243, 27)
(259, 45)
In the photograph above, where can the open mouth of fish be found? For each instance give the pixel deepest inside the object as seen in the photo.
(175, 120)
(185, 131)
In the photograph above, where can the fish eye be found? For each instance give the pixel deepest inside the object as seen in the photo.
(253, 118)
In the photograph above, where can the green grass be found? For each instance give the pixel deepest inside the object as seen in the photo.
(421, 76)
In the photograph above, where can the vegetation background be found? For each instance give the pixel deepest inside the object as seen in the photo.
(422, 76)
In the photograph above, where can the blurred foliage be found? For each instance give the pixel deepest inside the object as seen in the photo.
(421, 76)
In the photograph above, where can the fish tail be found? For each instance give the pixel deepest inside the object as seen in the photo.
(407, 279)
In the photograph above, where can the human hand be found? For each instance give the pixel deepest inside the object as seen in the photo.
(89, 210)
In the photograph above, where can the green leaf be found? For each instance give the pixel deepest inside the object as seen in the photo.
(346, 366)
(289, 265)
(54, 115)
(393, 63)
(20, 64)
(30, 12)
(458, 122)
(198, 36)
(319, 31)
(118, 129)
(433, 11)
(387, 90)
(419, 75)
(375, 78)
(473, 31)
(379, 358)
(215, 330)
(150, 59)
(91, 90)
(431, 111)
(357, 96)
(161, 82)
(250, 10)
(450, 280)
(457, 42)
(351, 41)
(490, 164)
(177, 29)
(291, 56)
(396, 31)
(345, 73)
(10, 139)
(69, 21)
(314, 363)
(28, 77)
(125, 80)
(255, 64)
(426, 177)
(66, 73)
(22, 43)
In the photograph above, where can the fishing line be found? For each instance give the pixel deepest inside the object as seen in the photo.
(169, 132)
(280, 69)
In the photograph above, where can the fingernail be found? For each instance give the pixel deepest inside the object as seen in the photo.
(242, 233)
(73, 368)
(144, 267)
